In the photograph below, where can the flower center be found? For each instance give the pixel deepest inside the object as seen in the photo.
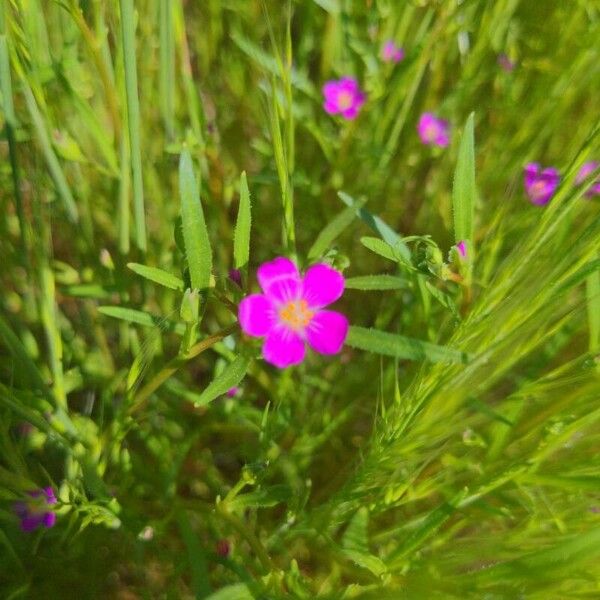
(431, 132)
(538, 189)
(296, 314)
(344, 100)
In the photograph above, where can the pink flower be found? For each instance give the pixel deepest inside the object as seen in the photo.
(233, 392)
(584, 173)
(462, 248)
(433, 131)
(343, 97)
(289, 312)
(34, 512)
(391, 53)
(505, 62)
(540, 185)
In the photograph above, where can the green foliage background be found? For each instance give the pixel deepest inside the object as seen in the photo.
(450, 451)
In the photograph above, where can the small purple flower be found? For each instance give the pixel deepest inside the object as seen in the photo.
(34, 512)
(433, 131)
(235, 275)
(505, 62)
(540, 185)
(343, 97)
(462, 248)
(584, 173)
(233, 392)
(289, 313)
(391, 53)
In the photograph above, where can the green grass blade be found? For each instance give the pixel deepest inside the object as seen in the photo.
(593, 306)
(197, 557)
(167, 65)
(141, 318)
(463, 188)
(331, 231)
(133, 119)
(54, 167)
(195, 233)
(241, 237)
(390, 344)
(376, 282)
(156, 275)
(228, 378)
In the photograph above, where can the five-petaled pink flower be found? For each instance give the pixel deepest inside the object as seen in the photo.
(34, 511)
(433, 131)
(391, 53)
(289, 313)
(343, 97)
(584, 173)
(540, 184)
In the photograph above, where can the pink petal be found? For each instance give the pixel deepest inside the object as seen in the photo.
(331, 107)
(327, 332)
(256, 315)
(322, 285)
(283, 347)
(351, 113)
(280, 280)
(49, 519)
(530, 173)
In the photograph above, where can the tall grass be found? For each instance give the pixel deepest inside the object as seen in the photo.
(450, 450)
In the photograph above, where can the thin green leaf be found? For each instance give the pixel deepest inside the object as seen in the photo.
(356, 535)
(195, 233)
(376, 282)
(593, 306)
(141, 318)
(390, 344)
(197, 556)
(463, 188)
(133, 119)
(331, 231)
(157, 276)
(379, 247)
(236, 591)
(228, 378)
(241, 237)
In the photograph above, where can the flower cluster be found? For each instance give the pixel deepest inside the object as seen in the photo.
(541, 184)
(290, 311)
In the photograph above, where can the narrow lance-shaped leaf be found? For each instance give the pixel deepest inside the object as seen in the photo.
(195, 233)
(463, 188)
(228, 378)
(157, 275)
(241, 238)
(593, 306)
(376, 282)
(399, 346)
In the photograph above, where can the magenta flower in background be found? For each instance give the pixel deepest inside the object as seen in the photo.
(540, 184)
(343, 97)
(233, 392)
(433, 131)
(289, 313)
(584, 173)
(235, 275)
(505, 62)
(391, 53)
(34, 511)
(462, 248)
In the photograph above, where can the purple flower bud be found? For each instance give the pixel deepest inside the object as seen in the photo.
(223, 548)
(505, 62)
(236, 276)
(233, 392)
(391, 53)
(462, 248)
(584, 173)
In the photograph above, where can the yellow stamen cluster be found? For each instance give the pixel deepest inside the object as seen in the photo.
(344, 100)
(296, 314)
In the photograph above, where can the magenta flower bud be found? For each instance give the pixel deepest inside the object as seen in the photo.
(233, 392)
(236, 276)
(584, 173)
(540, 184)
(290, 311)
(34, 512)
(223, 548)
(462, 248)
(433, 131)
(505, 62)
(391, 53)
(343, 97)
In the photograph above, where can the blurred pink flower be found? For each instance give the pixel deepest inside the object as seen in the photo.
(433, 131)
(391, 53)
(505, 62)
(34, 511)
(540, 184)
(289, 313)
(462, 248)
(584, 173)
(343, 97)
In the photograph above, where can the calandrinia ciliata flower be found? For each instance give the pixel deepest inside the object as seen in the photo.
(540, 184)
(290, 311)
(584, 173)
(343, 97)
(35, 511)
(462, 248)
(433, 131)
(391, 53)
